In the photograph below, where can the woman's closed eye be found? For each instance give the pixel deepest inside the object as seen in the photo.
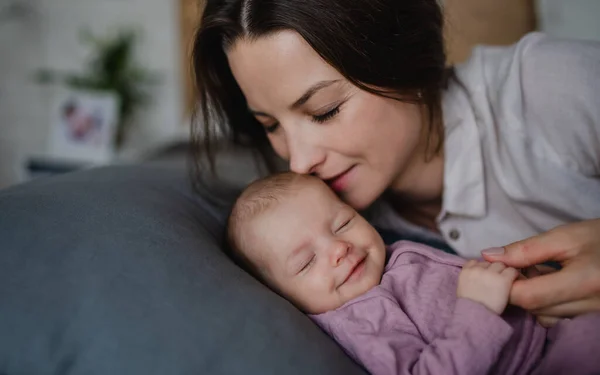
(316, 118)
(322, 118)
(327, 115)
(272, 128)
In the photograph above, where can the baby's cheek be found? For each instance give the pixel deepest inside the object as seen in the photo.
(300, 300)
(319, 303)
(322, 295)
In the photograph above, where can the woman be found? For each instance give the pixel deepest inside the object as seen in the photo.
(504, 148)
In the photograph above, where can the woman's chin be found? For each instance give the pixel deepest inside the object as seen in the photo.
(357, 200)
(362, 189)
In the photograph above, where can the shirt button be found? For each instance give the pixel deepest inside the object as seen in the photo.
(454, 234)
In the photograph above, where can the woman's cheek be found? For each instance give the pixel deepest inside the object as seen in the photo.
(279, 146)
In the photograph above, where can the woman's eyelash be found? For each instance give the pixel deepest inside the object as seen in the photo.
(316, 118)
(326, 116)
(272, 128)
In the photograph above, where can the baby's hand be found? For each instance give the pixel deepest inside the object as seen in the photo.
(487, 283)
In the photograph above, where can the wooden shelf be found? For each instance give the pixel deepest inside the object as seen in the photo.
(190, 13)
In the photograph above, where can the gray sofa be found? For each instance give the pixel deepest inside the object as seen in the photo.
(119, 270)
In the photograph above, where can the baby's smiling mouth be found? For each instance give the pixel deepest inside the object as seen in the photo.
(355, 271)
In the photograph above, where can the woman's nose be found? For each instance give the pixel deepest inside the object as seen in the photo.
(305, 154)
(339, 251)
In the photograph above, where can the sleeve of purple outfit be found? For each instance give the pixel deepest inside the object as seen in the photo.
(388, 343)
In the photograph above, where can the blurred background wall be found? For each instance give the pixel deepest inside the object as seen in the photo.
(36, 34)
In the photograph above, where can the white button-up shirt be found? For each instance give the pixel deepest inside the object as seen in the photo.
(522, 147)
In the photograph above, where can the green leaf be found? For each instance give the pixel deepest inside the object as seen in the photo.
(113, 67)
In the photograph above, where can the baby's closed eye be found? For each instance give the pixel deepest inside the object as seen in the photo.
(345, 225)
(307, 263)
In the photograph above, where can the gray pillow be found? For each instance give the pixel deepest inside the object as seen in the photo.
(119, 271)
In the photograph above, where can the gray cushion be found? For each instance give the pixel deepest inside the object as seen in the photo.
(119, 271)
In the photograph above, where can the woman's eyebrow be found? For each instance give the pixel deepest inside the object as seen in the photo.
(303, 99)
(311, 91)
(258, 113)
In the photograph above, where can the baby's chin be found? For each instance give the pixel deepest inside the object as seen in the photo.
(340, 299)
(313, 307)
(321, 309)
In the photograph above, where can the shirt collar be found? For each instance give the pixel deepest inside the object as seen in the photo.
(464, 182)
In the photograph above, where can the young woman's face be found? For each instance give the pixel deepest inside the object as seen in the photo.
(357, 142)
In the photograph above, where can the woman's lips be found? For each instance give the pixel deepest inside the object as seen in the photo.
(341, 181)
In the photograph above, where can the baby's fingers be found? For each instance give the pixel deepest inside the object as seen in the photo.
(497, 267)
(510, 273)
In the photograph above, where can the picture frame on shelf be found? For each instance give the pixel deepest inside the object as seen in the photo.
(83, 126)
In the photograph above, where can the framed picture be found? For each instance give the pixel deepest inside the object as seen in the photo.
(83, 125)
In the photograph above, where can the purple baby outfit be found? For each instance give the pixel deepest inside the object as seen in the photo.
(413, 323)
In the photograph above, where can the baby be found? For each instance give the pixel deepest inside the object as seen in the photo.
(407, 309)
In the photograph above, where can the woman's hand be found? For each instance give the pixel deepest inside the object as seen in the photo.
(571, 291)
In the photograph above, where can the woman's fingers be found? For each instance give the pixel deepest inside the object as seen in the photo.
(559, 244)
(575, 287)
(543, 270)
(539, 270)
(534, 250)
(550, 289)
(570, 309)
(547, 321)
(535, 271)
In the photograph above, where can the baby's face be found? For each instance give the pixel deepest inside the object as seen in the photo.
(316, 250)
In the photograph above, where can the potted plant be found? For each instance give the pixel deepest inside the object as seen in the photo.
(112, 67)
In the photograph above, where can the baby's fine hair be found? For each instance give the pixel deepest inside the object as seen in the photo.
(257, 198)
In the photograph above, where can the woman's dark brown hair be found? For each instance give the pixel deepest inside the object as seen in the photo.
(392, 48)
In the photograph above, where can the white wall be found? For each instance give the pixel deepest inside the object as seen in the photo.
(48, 37)
(571, 19)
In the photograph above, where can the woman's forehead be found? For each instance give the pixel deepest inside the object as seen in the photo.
(277, 68)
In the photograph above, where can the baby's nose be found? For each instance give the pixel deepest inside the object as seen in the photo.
(339, 251)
